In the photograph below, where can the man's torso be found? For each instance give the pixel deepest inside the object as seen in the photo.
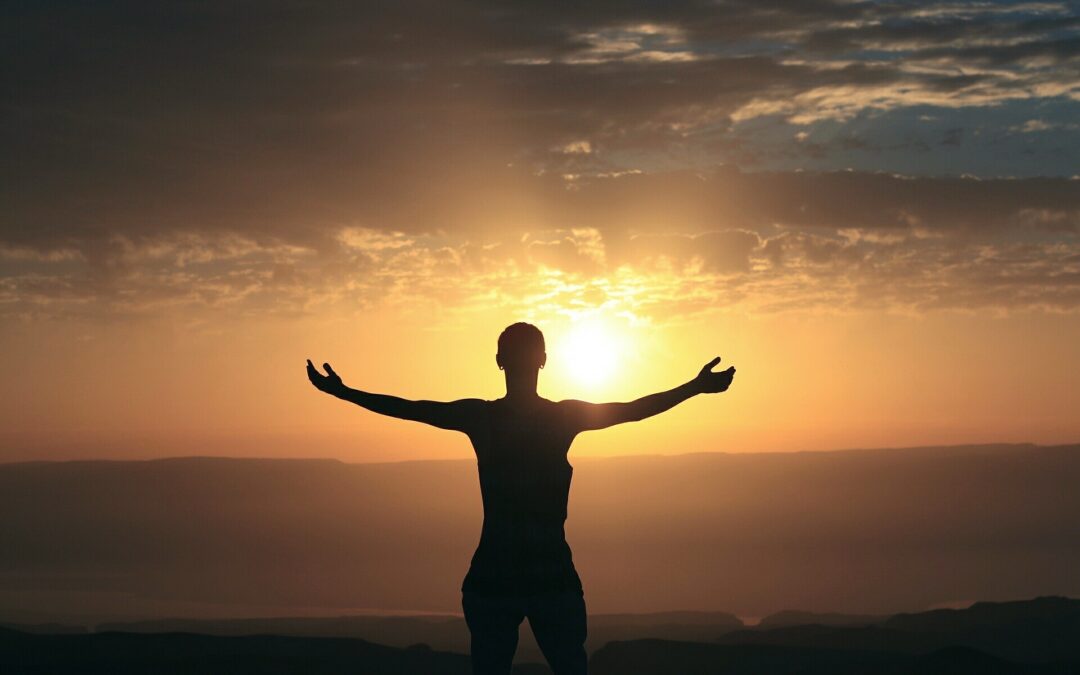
(525, 484)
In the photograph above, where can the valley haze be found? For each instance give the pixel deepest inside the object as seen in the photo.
(869, 532)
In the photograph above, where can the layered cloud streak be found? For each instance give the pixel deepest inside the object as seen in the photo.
(654, 245)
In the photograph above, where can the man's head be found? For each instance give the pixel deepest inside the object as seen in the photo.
(521, 347)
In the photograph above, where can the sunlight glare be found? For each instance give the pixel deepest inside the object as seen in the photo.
(589, 353)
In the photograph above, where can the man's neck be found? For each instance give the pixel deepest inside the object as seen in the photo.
(521, 388)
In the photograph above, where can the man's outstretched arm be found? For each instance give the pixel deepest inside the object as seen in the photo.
(455, 415)
(588, 416)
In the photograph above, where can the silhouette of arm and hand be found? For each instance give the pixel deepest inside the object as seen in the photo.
(453, 415)
(461, 415)
(602, 415)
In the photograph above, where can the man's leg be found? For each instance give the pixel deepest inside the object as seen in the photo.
(493, 626)
(559, 624)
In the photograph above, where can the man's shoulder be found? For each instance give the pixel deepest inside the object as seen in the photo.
(572, 404)
(471, 404)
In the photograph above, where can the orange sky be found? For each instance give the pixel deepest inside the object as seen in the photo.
(881, 233)
(805, 381)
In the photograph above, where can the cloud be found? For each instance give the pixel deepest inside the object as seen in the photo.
(664, 244)
(109, 106)
(720, 252)
(575, 148)
(315, 154)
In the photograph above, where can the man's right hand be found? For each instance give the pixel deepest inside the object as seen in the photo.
(330, 383)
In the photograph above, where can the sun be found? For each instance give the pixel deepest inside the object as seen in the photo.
(588, 352)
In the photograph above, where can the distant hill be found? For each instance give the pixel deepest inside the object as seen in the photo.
(1035, 631)
(45, 628)
(1031, 637)
(186, 654)
(1041, 630)
(982, 615)
(656, 657)
(444, 632)
(864, 532)
(796, 618)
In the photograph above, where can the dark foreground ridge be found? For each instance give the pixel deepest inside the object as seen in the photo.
(1031, 637)
(445, 633)
(115, 653)
(1030, 631)
(653, 657)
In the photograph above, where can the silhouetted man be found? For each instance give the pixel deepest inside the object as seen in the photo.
(523, 566)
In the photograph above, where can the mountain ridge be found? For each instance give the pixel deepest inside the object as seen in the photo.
(951, 448)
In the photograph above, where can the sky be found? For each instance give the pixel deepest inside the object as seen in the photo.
(871, 209)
